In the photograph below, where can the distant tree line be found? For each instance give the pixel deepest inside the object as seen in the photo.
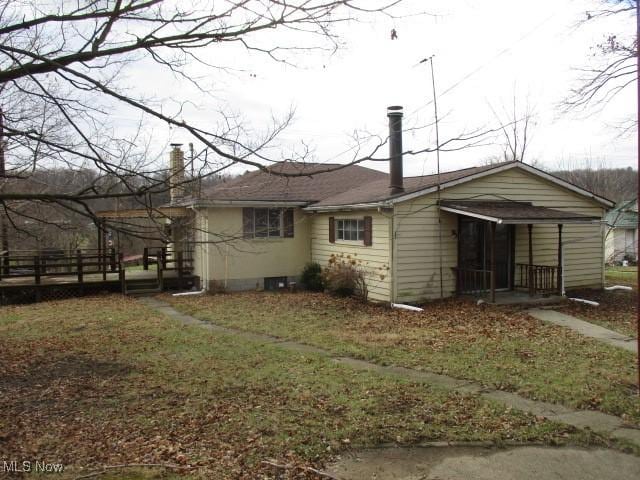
(42, 224)
(616, 184)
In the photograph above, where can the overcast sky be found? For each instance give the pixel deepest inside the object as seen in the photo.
(492, 50)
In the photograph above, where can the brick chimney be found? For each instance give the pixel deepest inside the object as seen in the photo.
(395, 149)
(176, 172)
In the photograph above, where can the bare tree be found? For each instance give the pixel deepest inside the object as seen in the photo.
(614, 62)
(64, 70)
(516, 124)
(63, 67)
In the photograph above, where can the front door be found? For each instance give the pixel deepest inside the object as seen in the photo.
(474, 254)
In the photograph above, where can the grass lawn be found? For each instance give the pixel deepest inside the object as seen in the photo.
(621, 275)
(617, 310)
(497, 346)
(107, 381)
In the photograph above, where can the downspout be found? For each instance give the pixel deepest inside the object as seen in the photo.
(392, 255)
(202, 245)
(564, 271)
(578, 240)
(226, 265)
(603, 233)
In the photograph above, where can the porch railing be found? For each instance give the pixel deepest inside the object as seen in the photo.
(538, 279)
(471, 281)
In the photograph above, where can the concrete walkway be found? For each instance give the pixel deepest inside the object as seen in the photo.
(586, 328)
(596, 421)
(464, 463)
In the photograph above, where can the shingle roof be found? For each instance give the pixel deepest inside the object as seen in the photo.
(379, 190)
(515, 212)
(344, 185)
(312, 187)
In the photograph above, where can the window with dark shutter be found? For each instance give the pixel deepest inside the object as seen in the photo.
(248, 227)
(332, 230)
(368, 231)
(287, 222)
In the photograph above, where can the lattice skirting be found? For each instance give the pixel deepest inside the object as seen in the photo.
(44, 293)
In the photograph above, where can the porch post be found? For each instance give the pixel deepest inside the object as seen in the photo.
(99, 226)
(493, 262)
(560, 273)
(103, 253)
(530, 269)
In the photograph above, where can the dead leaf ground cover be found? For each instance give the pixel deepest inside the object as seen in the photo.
(106, 381)
(617, 309)
(500, 347)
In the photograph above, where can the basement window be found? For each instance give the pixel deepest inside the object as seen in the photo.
(275, 283)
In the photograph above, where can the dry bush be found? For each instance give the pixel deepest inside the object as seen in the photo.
(345, 276)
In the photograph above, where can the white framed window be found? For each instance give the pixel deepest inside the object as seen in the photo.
(350, 229)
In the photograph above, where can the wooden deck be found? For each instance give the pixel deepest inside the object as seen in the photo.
(25, 277)
(92, 278)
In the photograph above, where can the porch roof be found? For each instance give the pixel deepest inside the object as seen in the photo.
(512, 213)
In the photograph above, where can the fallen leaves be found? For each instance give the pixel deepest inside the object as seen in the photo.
(134, 388)
(617, 309)
(498, 346)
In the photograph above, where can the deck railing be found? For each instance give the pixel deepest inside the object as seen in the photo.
(538, 279)
(27, 275)
(40, 265)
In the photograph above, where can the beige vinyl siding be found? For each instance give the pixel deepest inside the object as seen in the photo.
(375, 260)
(199, 249)
(242, 264)
(417, 254)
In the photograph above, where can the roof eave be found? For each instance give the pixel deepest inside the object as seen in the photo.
(354, 206)
(246, 203)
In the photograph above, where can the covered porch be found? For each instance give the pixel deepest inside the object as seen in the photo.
(487, 248)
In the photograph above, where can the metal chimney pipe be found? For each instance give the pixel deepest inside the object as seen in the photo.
(176, 173)
(395, 149)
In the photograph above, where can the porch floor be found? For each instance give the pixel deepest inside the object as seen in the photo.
(516, 297)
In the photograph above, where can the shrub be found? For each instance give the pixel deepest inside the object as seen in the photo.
(344, 276)
(311, 277)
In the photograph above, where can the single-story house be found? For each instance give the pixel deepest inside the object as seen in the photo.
(622, 233)
(489, 228)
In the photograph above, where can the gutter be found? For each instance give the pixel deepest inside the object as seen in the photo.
(245, 203)
(354, 206)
